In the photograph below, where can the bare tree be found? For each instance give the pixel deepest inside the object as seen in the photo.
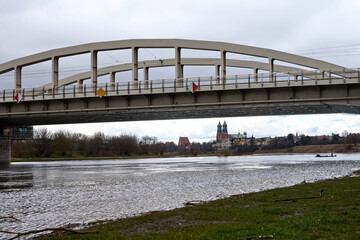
(42, 142)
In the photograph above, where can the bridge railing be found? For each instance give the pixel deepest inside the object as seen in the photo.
(177, 85)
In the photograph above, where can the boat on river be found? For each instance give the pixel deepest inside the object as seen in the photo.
(331, 155)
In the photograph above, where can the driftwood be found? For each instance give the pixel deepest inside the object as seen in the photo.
(259, 237)
(194, 203)
(8, 218)
(300, 198)
(45, 230)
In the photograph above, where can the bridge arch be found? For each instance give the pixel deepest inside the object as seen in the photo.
(54, 55)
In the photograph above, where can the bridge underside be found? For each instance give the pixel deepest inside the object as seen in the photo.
(180, 113)
(281, 98)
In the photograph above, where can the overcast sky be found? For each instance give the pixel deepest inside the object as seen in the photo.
(322, 29)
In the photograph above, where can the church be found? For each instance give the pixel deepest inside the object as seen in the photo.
(224, 140)
(222, 133)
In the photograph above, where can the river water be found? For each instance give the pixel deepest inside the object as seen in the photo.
(53, 194)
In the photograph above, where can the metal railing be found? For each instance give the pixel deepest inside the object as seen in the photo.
(177, 85)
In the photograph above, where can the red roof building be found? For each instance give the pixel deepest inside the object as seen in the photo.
(184, 142)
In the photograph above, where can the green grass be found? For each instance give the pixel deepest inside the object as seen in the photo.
(336, 215)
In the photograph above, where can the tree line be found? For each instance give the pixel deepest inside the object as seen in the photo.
(303, 140)
(62, 143)
(291, 140)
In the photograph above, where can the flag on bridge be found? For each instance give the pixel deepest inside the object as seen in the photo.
(18, 97)
(192, 87)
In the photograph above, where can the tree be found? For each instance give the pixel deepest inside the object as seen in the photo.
(335, 138)
(170, 147)
(290, 137)
(147, 145)
(206, 147)
(304, 140)
(96, 144)
(64, 143)
(42, 142)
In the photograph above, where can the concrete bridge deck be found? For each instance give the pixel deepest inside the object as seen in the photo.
(164, 99)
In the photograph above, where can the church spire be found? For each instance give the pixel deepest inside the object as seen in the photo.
(225, 127)
(219, 128)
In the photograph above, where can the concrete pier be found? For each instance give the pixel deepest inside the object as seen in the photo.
(5, 153)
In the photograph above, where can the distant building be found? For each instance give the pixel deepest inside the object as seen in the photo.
(222, 133)
(239, 139)
(18, 133)
(184, 143)
(224, 140)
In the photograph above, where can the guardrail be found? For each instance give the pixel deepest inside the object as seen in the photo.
(174, 85)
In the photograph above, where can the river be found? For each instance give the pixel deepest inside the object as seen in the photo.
(53, 194)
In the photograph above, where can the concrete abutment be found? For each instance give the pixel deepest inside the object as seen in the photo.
(5, 150)
(5, 153)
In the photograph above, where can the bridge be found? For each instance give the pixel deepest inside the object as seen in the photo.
(279, 84)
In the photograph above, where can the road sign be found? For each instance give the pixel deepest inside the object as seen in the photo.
(101, 92)
(192, 87)
(18, 97)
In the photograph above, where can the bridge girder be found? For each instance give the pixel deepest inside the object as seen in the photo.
(255, 99)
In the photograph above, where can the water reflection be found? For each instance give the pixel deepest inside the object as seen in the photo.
(53, 194)
(15, 177)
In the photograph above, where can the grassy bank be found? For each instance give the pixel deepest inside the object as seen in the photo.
(334, 215)
(336, 148)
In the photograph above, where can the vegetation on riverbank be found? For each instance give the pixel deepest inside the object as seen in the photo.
(301, 214)
(64, 145)
(37, 159)
(336, 148)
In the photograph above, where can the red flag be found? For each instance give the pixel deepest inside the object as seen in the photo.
(192, 87)
(18, 97)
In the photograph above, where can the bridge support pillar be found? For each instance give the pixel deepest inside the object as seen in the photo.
(146, 78)
(178, 68)
(271, 69)
(55, 74)
(135, 68)
(223, 67)
(5, 151)
(94, 61)
(80, 86)
(256, 72)
(112, 81)
(217, 74)
(17, 76)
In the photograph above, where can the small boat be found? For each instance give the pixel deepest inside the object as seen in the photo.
(332, 155)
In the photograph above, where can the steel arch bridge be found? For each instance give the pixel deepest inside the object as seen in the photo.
(282, 84)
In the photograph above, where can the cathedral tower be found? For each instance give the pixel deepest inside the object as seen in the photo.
(225, 128)
(219, 128)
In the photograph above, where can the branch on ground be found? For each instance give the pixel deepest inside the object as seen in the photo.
(300, 198)
(194, 203)
(8, 218)
(45, 230)
(259, 237)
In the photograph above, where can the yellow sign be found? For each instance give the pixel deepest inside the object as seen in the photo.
(101, 92)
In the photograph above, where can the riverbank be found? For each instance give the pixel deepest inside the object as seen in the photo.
(336, 148)
(87, 158)
(322, 210)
